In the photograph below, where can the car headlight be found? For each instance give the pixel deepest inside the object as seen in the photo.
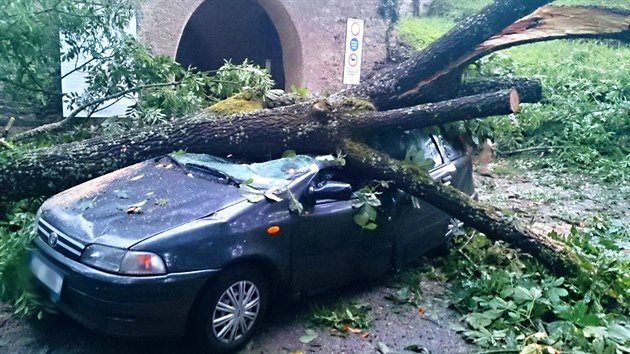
(122, 261)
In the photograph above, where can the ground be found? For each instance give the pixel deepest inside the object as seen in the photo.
(540, 198)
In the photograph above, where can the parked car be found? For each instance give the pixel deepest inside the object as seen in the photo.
(192, 241)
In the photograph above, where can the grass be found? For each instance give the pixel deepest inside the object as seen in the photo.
(506, 298)
(585, 119)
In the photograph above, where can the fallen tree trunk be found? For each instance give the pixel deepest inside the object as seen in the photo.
(422, 75)
(554, 255)
(316, 127)
(405, 97)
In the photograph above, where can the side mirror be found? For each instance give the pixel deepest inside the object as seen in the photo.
(330, 190)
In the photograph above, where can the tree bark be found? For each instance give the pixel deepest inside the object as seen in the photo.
(407, 83)
(554, 255)
(406, 97)
(439, 66)
(315, 127)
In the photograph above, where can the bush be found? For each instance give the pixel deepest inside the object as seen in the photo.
(16, 281)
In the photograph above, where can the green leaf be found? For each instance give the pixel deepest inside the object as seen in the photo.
(371, 226)
(523, 295)
(361, 219)
(289, 153)
(249, 181)
(594, 332)
(477, 320)
(294, 204)
(457, 327)
(309, 336)
(618, 333)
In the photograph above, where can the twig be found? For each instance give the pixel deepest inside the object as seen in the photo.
(8, 126)
(28, 88)
(567, 220)
(73, 115)
(530, 149)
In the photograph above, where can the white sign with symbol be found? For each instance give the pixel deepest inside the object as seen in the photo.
(354, 49)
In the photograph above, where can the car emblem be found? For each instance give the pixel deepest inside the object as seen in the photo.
(52, 239)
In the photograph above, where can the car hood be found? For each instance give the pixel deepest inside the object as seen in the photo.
(129, 205)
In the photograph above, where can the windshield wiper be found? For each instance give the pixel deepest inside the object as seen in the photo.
(214, 172)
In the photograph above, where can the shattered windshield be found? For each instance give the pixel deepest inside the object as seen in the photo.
(275, 173)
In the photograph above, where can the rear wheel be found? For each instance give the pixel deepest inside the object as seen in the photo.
(231, 310)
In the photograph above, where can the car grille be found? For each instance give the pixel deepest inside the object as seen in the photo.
(58, 240)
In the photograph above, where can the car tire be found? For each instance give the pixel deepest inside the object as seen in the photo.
(231, 310)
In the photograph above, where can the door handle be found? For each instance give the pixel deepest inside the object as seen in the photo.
(447, 180)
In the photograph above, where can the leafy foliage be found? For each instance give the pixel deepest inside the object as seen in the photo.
(29, 52)
(342, 316)
(584, 123)
(508, 300)
(388, 9)
(367, 203)
(16, 233)
(231, 79)
(118, 65)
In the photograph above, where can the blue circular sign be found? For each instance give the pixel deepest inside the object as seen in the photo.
(354, 44)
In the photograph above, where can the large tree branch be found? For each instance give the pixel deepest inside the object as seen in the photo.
(72, 117)
(546, 23)
(430, 114)
(260, 134)
(554, 255)
(386, 89)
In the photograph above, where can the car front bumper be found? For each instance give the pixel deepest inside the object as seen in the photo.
(128, 306)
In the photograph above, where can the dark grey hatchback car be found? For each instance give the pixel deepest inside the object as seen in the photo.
(194, 242)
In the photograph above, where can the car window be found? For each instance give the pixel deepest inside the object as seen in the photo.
(273, 173)
(453, 148)
(413, 145)
(337, 174)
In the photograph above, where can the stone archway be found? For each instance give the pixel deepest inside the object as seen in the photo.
(260, 31)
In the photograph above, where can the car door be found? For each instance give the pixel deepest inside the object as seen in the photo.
(420, 226)
(329, 248)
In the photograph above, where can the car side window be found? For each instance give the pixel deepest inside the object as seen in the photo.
(413, 146)
(337, 174)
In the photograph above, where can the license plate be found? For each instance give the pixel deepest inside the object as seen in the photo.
(50, 277)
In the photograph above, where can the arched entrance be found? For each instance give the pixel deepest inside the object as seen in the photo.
(235, 30)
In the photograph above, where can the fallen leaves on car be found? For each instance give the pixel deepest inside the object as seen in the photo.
(271, 195)
(161, 201)
(295, 205)
(252, 194)
(135, 208)
(309, 336)
(122, 194)
(421, 311)
(255, 195)
(139, 177)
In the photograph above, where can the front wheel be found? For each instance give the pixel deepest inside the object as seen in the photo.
(231, 310)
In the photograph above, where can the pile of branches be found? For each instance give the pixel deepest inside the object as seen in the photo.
(424, 91)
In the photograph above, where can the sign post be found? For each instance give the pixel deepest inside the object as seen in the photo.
(353, 52)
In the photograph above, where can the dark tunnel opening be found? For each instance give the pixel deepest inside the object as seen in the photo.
(234, 30)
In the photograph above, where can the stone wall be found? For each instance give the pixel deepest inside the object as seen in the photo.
(312, 34)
